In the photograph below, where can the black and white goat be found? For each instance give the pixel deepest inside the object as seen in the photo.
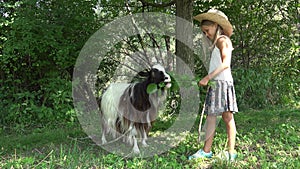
(128, 110)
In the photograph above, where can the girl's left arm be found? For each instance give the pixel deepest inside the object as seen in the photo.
(225, 47)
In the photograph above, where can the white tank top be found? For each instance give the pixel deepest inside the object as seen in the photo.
(215, 62)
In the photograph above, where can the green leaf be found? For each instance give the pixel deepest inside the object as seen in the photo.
(151, 88)
(212, 84)
(161, 84)
(175, 86)
(194, 83)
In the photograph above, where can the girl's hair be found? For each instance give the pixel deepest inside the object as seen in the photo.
(207, 22)
(219, 31)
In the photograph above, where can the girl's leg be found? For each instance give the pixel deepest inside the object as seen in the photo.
(231, 130)
(210, 132)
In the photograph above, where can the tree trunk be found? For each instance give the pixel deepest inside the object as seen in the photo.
(184, 34)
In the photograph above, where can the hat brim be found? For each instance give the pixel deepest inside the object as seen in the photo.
(222, 21)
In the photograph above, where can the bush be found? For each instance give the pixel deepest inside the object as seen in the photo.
(52, 103)
(262, 87)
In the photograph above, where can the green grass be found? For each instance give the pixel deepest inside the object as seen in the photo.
(265, 139)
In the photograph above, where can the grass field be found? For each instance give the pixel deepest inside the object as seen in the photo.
(266, 139)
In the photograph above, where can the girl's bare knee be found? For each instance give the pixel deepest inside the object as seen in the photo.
(227, 117)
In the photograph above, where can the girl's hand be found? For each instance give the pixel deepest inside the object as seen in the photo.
(204, 81)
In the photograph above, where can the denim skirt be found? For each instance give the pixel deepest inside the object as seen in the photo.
(220, 98)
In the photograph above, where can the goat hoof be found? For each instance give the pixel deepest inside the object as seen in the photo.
(104, 141)
(136, 151)
(145, 145)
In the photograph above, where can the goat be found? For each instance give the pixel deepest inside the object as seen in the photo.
(128, 110)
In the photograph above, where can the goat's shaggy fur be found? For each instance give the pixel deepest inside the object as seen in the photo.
(127, 110)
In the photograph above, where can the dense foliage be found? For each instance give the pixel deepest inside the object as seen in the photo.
(40, 41)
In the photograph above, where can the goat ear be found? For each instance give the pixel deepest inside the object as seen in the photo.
(144, 73)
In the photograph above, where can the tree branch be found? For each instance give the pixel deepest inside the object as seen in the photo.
(162, 5)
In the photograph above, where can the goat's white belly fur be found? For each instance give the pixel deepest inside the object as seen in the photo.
(110, 101)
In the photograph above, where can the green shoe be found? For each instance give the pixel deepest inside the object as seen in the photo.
(231, 156)
(201, 154)
(226, 156)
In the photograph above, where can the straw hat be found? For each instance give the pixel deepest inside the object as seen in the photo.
(216, 16)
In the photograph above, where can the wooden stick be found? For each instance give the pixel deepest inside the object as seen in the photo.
(201, 119)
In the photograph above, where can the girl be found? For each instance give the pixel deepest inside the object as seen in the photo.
(220, 99)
